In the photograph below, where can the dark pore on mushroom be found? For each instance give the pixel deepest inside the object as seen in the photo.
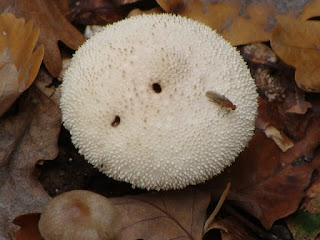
(116, 121)
(156, 88)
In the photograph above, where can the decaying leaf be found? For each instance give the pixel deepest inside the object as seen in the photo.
(28, 224)
(312, 199)
(269, 183)
(28, 134)
(98, 12)
(259, 53)
(53, 27)
(164, 215)
(297, 103)
(240, 22)
(19, 63)
(297, 43)
(304, 225)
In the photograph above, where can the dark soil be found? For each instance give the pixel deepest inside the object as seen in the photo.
(70, 171)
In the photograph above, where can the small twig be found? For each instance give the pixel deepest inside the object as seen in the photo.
(216, 210)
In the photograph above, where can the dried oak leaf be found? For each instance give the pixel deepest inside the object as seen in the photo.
(312, 9)
(297, 44)
(19, 64)
(240, 22)
(164, 215)
(28, 133)
(269, 183)
(53, 27)
(28, 224)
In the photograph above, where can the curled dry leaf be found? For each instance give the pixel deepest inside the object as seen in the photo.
(312, 9)
(238, 21)
(53, 25)
(297, 43)
(19, 63)
(164, 215)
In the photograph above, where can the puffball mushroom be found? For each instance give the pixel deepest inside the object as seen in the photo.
(134, 100)
(80, 215)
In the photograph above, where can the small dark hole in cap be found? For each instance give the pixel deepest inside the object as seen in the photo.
(116, 121)
(156, 87)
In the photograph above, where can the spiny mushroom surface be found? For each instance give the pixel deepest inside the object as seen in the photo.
(80, 215)
(134, 100)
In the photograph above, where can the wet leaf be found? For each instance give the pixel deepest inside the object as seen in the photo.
(28, 224)
(240, 22)
(163, 215)
(53, 26)
(297, 43)
(28, 133)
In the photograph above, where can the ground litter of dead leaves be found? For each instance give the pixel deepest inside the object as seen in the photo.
(275, 182)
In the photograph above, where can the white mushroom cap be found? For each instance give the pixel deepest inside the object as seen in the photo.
(134, 100)
(80, 215)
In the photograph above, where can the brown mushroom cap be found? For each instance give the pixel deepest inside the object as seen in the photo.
(78, 215)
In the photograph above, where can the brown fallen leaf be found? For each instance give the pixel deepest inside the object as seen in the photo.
(297, 43)
(28, 224)
(310, 10)
(164, 215)
(269, 183)
(28, 132)
(53, 27)
(19, 64)
(240, 22)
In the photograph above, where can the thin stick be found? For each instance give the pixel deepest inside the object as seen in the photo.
(219, 205)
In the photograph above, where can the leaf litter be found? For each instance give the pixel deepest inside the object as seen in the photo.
(269, 180)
